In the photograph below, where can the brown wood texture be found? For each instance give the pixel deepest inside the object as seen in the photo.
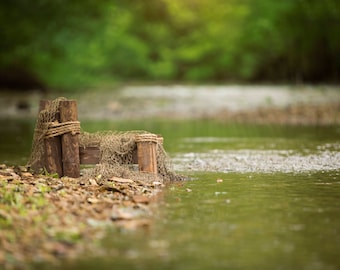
(135, 157)
(147, 156)
(52, 160)
(89, 155)
(69, 141)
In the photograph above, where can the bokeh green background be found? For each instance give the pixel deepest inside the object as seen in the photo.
(72, 44)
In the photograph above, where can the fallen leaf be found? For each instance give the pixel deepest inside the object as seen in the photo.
(93, 200)
(121, 180)
(26, 174)
(14, 175)
(156, 183)
(93, 182)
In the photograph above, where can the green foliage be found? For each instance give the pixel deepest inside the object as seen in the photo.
(83, 43)
(293, 40)
(12, 200)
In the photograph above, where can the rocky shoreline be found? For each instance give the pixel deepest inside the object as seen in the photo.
(45, 219)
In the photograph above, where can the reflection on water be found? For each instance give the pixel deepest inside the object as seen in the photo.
(247, 220)
(15, 141)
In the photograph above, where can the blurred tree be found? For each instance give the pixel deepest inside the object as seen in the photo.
(312, 40)
(36, 32)
(291, 41)
(82, 42)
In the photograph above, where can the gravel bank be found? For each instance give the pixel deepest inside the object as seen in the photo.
(291, 105)
(257, 161)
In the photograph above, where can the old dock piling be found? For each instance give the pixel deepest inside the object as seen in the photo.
(147, 152)
(62, 153)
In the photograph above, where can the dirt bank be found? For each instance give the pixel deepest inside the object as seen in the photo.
(46, 219)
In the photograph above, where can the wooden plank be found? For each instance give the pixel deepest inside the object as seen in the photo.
(52, 159)
(70, 141)
(89, 155)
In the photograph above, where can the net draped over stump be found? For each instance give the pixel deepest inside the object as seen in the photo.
(117, 149)
(117, 156)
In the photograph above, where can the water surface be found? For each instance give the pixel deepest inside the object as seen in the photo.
(248, 221)
(224, 218)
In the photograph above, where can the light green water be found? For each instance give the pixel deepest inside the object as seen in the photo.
(247, 221)
(272, 221)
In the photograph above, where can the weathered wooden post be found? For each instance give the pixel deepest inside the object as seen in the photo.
(52, 161)
(70, 140)
(59, 138)
(147, 152)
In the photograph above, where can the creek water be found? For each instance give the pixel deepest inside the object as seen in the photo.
(257, 197)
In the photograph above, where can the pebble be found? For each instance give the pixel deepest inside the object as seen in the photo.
(259, 161)
(27, 174)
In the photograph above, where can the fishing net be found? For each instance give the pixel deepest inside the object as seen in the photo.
(47, 116)
(118, 156)
(117, 150)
